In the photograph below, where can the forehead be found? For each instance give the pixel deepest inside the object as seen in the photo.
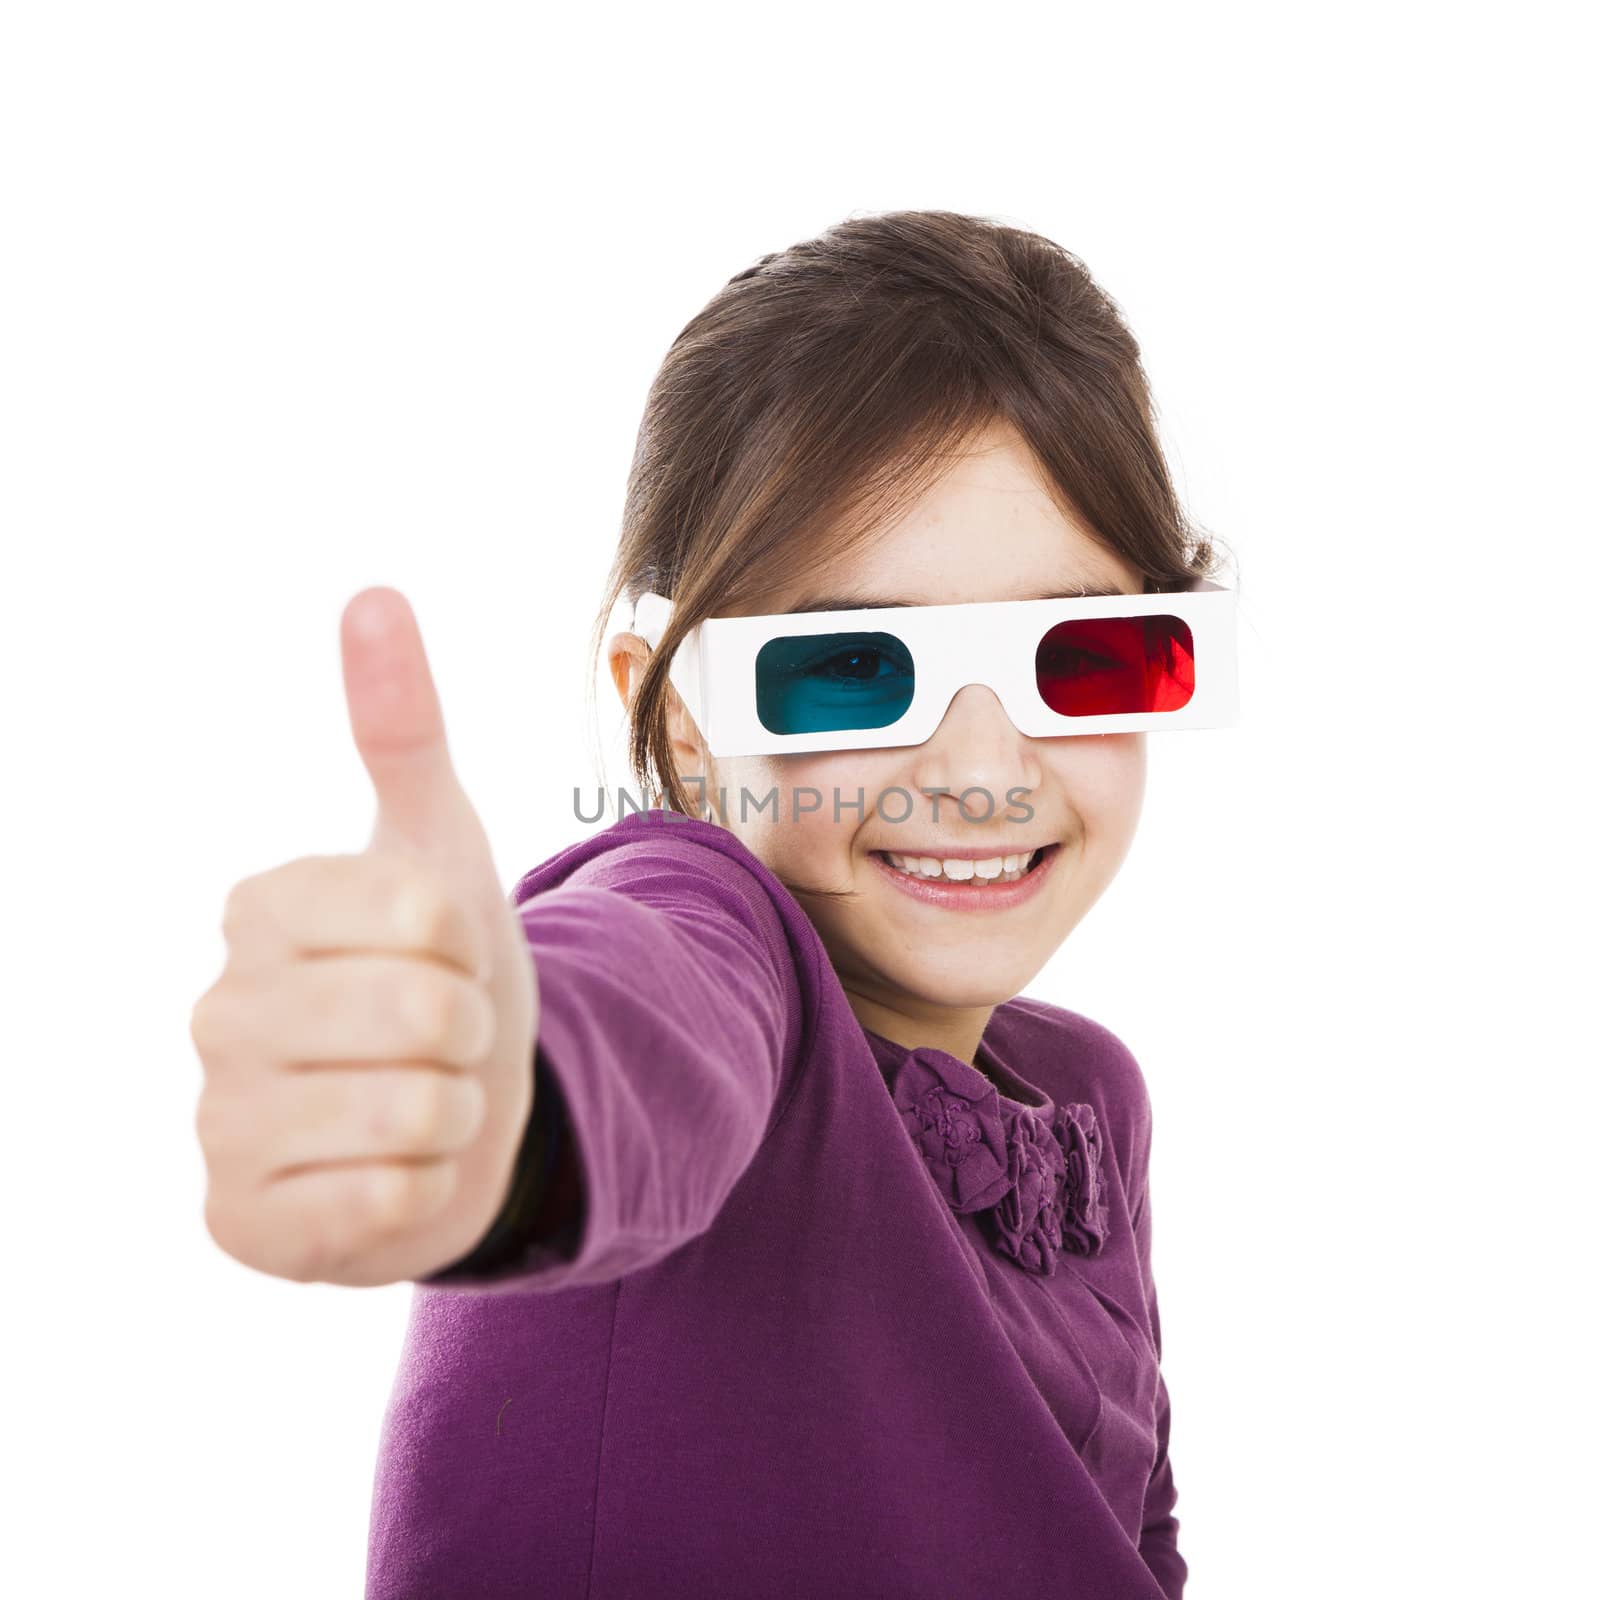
(988, 528)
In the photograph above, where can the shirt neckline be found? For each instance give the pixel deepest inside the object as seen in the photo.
(1031, 1174)
(1015, 1090)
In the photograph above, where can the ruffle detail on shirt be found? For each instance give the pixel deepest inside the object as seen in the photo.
(1037, 1176)
(962, 1139)
(1084, 1206)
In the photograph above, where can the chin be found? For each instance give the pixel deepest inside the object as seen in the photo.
(961, 988)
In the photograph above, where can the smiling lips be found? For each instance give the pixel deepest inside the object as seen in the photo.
(978, 870)
(958, 885)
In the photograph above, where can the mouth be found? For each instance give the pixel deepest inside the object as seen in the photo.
(948, 883)
(960, 873)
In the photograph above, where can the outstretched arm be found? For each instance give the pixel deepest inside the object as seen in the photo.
(668, 1024)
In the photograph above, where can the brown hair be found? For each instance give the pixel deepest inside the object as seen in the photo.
(823, 388)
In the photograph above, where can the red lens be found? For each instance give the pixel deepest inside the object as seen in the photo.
(1110, 666)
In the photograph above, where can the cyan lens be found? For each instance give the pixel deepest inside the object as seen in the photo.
(833, 682)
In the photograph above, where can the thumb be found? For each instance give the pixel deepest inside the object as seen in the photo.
(398, 726)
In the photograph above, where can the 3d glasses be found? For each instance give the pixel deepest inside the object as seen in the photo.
(884, 676)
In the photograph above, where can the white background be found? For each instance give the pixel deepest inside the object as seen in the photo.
(301, 298)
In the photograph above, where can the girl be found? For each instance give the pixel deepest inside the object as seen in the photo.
(810, 1258)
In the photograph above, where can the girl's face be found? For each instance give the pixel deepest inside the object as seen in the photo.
(915, 969)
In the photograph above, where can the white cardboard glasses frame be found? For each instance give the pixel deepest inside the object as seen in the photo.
(987, 642)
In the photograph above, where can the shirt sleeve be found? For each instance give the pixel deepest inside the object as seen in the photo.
(1158, 1534)
(668, 1028)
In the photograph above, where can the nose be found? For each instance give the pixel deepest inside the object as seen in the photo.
(977, 747)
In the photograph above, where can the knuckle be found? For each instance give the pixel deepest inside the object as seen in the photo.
(430, 1007)
(469, 1103)
(416, 907)
(457, 1114)
(386, 1199)
(408, 1117)
(210, 1028)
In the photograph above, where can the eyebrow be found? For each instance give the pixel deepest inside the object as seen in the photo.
(850, 602)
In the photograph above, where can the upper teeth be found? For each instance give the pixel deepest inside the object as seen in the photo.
(1007, 867)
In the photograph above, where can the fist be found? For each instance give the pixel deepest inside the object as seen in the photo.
(367, 1050)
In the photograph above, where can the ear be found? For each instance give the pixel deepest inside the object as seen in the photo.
(627, 656)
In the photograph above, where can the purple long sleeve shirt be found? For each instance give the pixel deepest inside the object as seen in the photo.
(841, 1318)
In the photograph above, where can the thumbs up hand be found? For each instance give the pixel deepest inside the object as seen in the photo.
(368, 1047)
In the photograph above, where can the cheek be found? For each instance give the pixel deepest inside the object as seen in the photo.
(788, 805)
(829, 782)
(1102, 777)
